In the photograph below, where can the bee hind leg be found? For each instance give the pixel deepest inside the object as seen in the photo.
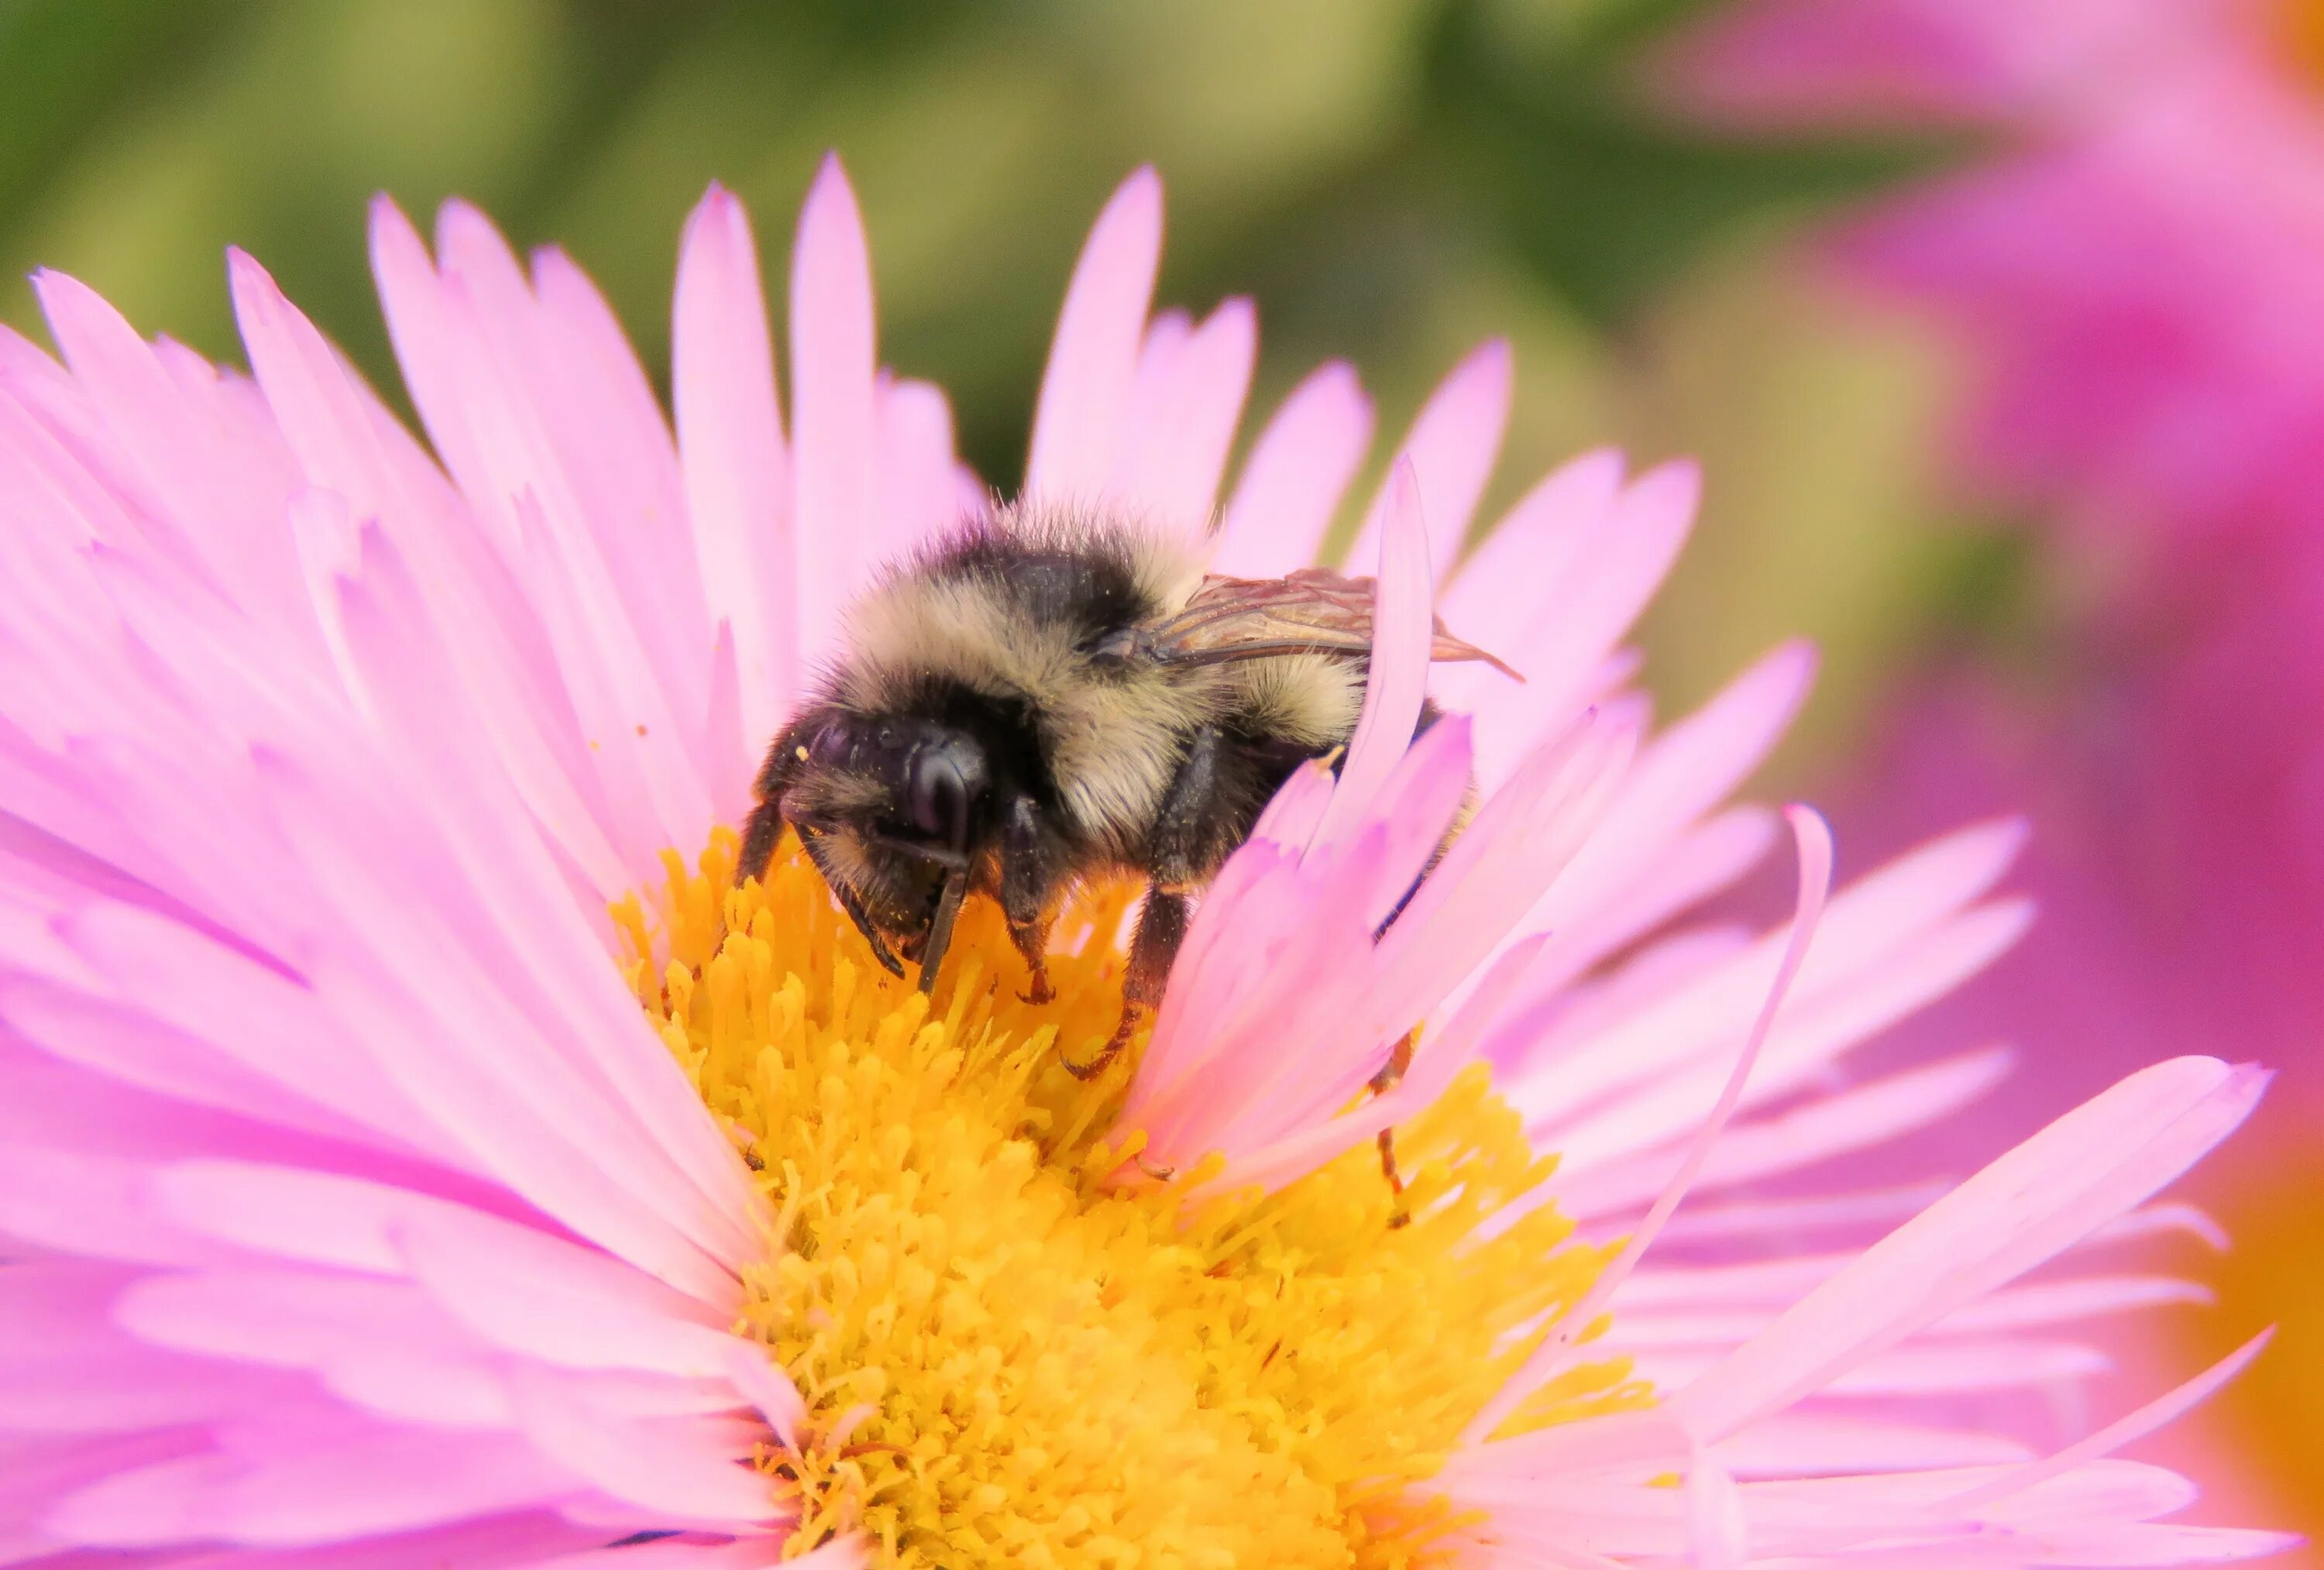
(1193, 833)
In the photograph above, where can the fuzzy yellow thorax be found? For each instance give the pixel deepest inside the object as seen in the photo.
(1011, 1355)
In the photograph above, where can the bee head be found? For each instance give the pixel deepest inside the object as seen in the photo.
(893, 811)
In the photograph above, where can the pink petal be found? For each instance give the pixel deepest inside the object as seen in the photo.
(493, 1276)
(1814, 842)
(730, 437)
(1080, 425)
(692, 1469)
(2155, 1414)
(387, 1480)
(1297, 471)
(347, 445)
(215, 509)
(919, 494)
(2091, 1165)
(1177, 449)
(1398, 672)
(833, 359)
(1861, 1117)
(1525, 567)
(1622, 565)
(1510, 852)
(1452, 448)
(1804, 1444)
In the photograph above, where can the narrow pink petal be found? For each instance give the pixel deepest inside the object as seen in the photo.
(543, 977)
(1755, 1222)
(202, 1001)
(1398, 678)
(1705, 859)
(2136, 1546)
(2169, 1215)
(1497, 869)
(1080, 425)
(1861, 1117)
(1720, 1534)
(1565, 656)
(747, 1553)
(1680, 775)
(466, 341)
(2090, 1166)
(833, 376)
(2082, 1298)
(1917, 1369)
(387, 1480)
(1814, 842)
(219, 508)
(1526, 567)
(919, 494)
(425, 336)
(2128, 1429)
(694, 1469)
(758, 1381)
(1306, 1145)
(1814, 1031)
(730, 439)
(347, 445)
(1806, 1443)
(1169, 472)
(1452, 448)
(606, 426)
(1905, 914)
(492, 1276)
(1298, 469)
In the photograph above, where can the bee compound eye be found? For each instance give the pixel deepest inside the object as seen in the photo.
(830, 745)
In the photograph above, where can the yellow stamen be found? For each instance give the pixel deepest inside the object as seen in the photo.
(1012, 1356)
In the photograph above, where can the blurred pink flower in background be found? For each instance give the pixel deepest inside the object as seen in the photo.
(2131, 267)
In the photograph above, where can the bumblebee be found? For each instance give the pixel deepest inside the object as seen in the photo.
(1049, 696)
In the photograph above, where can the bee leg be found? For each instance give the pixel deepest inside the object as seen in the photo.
(1161, 928)
(852, 906)
(1390, 1076)
(1030, 863)
(761, 833)
(1032, 941)
(764, 829)
(1188, 842)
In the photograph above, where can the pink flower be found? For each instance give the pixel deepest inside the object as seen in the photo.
(2131, 271)
(377, 1196)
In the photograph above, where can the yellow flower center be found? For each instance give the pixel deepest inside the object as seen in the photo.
(1012, 1356)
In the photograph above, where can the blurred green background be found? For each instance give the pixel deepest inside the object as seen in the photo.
(1393, 178)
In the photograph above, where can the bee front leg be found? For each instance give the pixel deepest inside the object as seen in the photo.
(1032, 866)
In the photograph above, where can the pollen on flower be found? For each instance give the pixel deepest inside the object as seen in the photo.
(1016, 1345)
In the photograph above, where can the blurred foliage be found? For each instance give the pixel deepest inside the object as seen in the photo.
(1392, 178)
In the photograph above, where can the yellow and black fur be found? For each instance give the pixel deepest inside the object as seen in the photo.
(1012, 713)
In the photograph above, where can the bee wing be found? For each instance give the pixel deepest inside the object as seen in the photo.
(1312, 611)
